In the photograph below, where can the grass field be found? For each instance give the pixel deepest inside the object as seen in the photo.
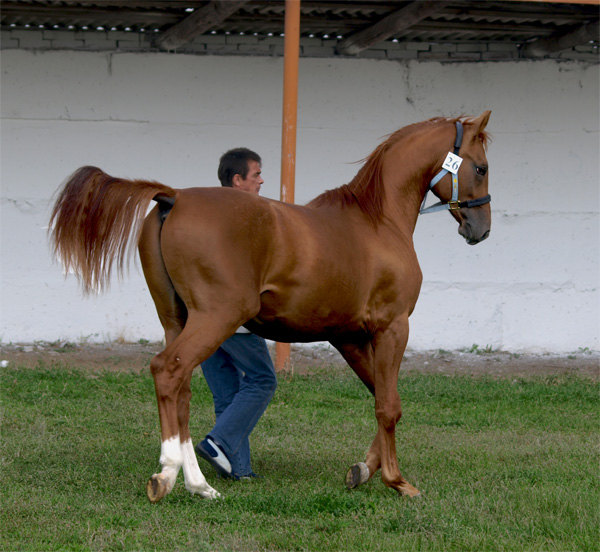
(502, 464)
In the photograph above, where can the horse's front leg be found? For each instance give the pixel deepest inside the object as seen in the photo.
(377, 364)
(388, 349)
(360, 359)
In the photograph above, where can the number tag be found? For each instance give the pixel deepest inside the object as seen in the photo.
(452, 163)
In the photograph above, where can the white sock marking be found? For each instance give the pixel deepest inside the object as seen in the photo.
(195, 482)
(171, 460)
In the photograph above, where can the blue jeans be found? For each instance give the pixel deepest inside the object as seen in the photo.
(241, 377)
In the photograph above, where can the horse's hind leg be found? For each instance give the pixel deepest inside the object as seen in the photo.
(171, 311)
(173, 316)
(177, 449)
(195, 482)
(172, 370)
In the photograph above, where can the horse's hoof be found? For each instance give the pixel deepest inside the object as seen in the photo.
(357, 475)
(211, 494)
(408, 490)
(156, 488)
(204, 491)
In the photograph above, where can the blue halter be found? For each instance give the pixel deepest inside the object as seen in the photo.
(453, 204)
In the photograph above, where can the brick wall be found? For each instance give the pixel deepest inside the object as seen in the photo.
(273, 46)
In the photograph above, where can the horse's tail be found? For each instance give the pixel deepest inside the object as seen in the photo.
(94, 220)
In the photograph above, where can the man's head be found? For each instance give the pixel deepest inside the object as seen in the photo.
(241, 168)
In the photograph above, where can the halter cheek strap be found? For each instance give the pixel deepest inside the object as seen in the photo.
(453, 204)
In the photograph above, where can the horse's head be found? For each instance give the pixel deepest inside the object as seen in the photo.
(474, 222)
(466, 193)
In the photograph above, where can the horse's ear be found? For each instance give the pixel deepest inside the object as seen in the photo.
(481, 122)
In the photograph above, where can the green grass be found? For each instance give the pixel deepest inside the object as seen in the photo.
(503, 464)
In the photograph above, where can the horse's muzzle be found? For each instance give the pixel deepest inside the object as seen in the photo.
(473, 235)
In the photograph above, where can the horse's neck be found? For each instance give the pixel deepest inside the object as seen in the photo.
(390, 190)
(409, 166)
(407, 171)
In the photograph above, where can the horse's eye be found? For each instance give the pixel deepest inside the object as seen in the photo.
(481, 170)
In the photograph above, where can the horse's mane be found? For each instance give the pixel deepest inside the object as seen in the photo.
(364, 189)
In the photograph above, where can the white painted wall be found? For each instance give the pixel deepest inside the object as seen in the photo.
(533, 285)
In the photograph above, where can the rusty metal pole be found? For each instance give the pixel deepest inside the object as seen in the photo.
(291, 53)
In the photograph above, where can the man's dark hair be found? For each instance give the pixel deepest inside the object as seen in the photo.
(235, 161)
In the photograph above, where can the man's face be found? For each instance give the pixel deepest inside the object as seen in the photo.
(253, 180)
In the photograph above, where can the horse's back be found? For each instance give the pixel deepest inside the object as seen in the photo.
(223, 225)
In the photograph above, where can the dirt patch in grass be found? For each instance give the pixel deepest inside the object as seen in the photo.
(472, 362)
(306, 359)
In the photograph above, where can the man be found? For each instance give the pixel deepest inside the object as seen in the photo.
(240, 374)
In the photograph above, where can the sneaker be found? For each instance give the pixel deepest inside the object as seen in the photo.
(248, 477)
(214, 455)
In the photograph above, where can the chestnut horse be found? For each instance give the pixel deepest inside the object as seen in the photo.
(341, 269)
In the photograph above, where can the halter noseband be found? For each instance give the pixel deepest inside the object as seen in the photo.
(451, 165)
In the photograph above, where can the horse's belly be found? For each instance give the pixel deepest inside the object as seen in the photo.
(285, 334)
(304, 323)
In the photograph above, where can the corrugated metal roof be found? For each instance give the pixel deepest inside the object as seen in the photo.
(515, 22)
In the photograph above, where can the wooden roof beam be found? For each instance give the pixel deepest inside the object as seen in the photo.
(394, 23)
(202, 20)
(565, 41)
(589, 2)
